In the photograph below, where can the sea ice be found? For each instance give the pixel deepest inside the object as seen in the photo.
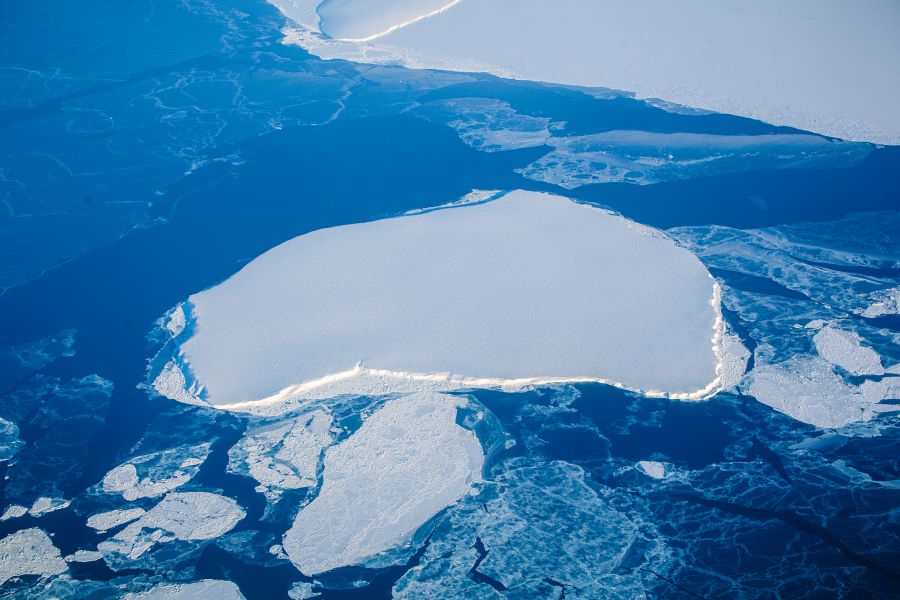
(283, 455)
(160, 472)
(643, 157)
(113, 518)
(9, 440)
(765, 60)
(44, 505)
(407, 461)
(84, 556)
(368, 19)
(191, 516)
(652, 468)
(843, 348)
(29, 552)
(488, 124)
(525, 289)
(806, 388)
(205, 589)
(14, 511)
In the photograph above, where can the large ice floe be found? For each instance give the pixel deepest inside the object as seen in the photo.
(527, 289)
(761, 59)
(407, 461)
(205, 589)
(29, 552)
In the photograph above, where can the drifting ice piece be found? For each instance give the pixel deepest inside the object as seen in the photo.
(525, 289)
(404, 465)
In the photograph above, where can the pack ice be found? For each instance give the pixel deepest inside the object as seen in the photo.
(525, 289)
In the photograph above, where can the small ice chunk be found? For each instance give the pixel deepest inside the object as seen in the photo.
(14, 511)
(843, 348)
(113, 518)
(205, 589)
(652, 468)
(44, 505)
(407, 461)
(887, 304)
(83, 556)
(180, 515)
(29, 552)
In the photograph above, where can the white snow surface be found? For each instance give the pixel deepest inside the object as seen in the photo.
(527, 289)
(29, 552)
(407, 461)
(113, 518)
(205, 589)
(829, 66)
(652, 468)
(843, 348)
(44, 505)
(180, 515)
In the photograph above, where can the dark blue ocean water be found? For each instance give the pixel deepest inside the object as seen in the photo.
(121, 98)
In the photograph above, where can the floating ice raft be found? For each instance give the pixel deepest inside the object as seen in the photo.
(526, 289)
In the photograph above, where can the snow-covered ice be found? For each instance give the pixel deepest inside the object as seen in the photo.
(283, 455)
(526, 289)
(152, 475)
(652, 468)
(29, 552)
(14, 511)
(84, 556)
(807, 388)
(205, 589)
(843, 348)
(44, 505)
(192, 516)
(113, 518)
(407, 461)
(766, 60)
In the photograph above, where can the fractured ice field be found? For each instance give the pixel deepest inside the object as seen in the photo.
(526, 289)
(643, 157)
(765, 60)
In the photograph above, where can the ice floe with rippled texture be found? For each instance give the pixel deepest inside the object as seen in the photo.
(283, 455)
(536, 531)
(526, 289)
(205, 589)
(154, 474)
(488, 124)
(843, 348)
(407, 461)
(808, 389)
(185, 516)
(643, 157)
(771, 64)
(113, 518)
(29, 552)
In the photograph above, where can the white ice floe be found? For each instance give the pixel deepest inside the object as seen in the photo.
(29, 552)
(192, 516)
(407, 461)
(283, 455)
(527, 289)
(766, 60)
(44, 505)
(155, 474)
(807, 388)
(843, 348)
(84, 556)
(113, 518)
(642, 157)
(14, 511)
(205, 589)
(652, 468)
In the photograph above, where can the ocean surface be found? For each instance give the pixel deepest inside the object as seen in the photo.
(150, 149)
